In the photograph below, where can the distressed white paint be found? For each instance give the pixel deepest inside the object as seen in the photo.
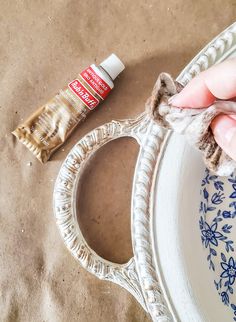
(143, 276)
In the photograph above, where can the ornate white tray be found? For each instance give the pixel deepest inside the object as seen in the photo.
(168, 274)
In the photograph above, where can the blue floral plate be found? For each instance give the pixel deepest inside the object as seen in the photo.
(193, 222)
(179, 273)
(218, 230)
(194, 236)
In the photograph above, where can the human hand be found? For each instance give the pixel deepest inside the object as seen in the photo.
(218, 82)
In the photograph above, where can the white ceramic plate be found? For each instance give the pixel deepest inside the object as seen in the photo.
(178, 253)
(180, 258)
(169, 273)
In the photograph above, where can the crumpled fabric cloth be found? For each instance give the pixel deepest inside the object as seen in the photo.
(193, 123)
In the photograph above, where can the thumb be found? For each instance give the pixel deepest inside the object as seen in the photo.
(219, 81)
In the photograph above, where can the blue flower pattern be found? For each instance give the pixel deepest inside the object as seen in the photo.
(229, 271)
(215, 232)
(210, 234)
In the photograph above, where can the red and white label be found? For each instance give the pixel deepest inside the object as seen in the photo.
(84, 95)
(96, 82)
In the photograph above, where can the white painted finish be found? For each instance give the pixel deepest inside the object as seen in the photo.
(65, 191)
(189, 291)
(159, 274)
(179, 256)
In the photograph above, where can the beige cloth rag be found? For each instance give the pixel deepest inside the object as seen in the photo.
(193, 123)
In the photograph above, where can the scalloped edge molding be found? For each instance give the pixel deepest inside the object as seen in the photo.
(138, 276)
(65, 203)
(214, 52)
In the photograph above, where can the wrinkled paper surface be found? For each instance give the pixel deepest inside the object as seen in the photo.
(43, 46)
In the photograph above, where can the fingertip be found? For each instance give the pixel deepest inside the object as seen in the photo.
(224, 130)
(215, 82)
(221, 78)
(194, 95)
(220, 124)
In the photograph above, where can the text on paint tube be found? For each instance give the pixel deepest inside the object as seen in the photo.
(96, 82)
(84, 95)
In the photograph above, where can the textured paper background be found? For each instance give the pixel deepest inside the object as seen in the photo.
(44, 44)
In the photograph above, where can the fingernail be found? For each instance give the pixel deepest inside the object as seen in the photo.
(224, 129)
(230, 142)
(173, 99)
(230, 134)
